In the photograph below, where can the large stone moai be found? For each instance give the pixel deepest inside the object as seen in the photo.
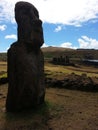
(26, 88)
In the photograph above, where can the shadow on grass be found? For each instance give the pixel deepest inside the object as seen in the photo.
(28, 120)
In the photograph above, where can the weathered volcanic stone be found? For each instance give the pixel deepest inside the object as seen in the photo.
(26, 88)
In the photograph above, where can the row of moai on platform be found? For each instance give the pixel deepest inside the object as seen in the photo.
(61, 60)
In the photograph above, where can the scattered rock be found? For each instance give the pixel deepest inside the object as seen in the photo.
(74, 81)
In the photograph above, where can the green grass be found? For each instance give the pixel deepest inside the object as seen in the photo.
(3, 75)
(57, 70)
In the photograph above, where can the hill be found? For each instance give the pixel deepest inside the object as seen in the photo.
(55, 49)
(3, 56)
(50, 52)
(78, 54)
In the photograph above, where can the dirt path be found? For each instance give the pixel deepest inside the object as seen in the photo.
(68, 110)
(75, 110)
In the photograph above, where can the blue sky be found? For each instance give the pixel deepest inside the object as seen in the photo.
(66, 23)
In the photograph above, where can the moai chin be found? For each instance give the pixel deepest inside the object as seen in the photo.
(26, 89)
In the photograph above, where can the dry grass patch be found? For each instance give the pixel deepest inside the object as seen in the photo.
(55, 70)
(3, 66)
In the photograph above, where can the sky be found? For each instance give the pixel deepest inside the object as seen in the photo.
(66, 23)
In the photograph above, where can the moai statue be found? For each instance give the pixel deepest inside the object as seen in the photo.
(67, 60)
(26, 89)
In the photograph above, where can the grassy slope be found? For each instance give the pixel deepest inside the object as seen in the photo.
(57, 70)
(51, 52)
(3, 56)
(61, 71)
(3, 69)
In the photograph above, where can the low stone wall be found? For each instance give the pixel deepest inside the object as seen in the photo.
(75, 82)
(71, 81)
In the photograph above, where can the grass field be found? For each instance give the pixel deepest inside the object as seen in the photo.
(54, 70)
(3, 66)
(58, 70)
(63, 109)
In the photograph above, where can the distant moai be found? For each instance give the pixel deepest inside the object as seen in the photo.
(67, 60)
(61, 60)
(26, 88)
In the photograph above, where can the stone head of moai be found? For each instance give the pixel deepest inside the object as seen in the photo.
(29, 25)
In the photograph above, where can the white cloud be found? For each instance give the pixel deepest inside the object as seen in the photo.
(88, 43)
(12, 36)
(44, 45)
(59, 28)
(67, 45)
(84, 43)
(69, 12)
(3, 27)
